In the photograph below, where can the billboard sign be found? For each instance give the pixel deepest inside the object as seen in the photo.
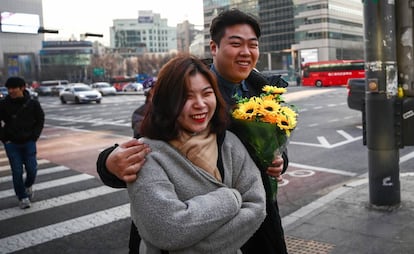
(19, 23)
(145, 17)
(20, 64)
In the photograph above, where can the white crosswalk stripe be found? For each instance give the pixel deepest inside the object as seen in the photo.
(58, 201)
(39, 173)
(7, 167)
(75, 190)
(58, 230)
(50, 184)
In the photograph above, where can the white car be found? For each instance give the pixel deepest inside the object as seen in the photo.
(104, 88)
(79, 93)
(133, 87)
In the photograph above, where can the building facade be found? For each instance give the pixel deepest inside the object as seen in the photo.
(20, 41)
(328, 30)
(186, 34)
(66, 60)
(149, 33)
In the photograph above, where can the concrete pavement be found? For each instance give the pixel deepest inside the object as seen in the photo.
(344, 221)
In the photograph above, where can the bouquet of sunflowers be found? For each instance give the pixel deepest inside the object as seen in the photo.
(264, 123)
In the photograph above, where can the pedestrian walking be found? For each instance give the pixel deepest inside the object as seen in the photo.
(22, 120)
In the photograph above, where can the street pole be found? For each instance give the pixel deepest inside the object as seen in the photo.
(381, 76)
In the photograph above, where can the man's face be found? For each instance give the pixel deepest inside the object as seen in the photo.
(237, 54)
(15, 92)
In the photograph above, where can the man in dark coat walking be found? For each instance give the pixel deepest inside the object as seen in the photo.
(22, 120)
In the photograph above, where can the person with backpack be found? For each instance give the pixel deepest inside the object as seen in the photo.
(22, 120)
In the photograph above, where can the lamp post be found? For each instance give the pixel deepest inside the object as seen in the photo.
(84, 36)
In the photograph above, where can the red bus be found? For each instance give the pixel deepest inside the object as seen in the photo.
(120, 81)
(331, 73)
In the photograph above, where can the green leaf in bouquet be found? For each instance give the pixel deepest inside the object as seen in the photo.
(260, 139)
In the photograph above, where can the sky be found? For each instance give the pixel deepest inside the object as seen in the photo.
(77, 17)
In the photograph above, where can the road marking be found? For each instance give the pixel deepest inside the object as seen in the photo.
(345, 135)
(334, 120)
(51, 184)
(39, 162)
(58, 201)
(294, 96)
(39, 172)
(323, 142)
(45, 234)
(123, 123)
(406, 157)
(320, 169)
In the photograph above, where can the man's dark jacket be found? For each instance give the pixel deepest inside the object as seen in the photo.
(23, 119)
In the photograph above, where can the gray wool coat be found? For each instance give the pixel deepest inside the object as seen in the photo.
(180, 208)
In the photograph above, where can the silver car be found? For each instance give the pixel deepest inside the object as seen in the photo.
(104, 88)
(79, 93)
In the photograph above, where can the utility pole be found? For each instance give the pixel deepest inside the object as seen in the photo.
(381, 74)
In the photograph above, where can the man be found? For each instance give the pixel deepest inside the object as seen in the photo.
(22, 123)
(235, 49)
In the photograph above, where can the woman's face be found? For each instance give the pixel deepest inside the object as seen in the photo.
(199, 107)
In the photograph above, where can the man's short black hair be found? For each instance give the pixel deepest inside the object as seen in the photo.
(230, 18)
(13, 82)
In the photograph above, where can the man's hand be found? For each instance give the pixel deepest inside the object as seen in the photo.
(276, 169)
(127, 159)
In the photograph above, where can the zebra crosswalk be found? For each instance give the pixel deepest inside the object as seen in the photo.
(70, 209)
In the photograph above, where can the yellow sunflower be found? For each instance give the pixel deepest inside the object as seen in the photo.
(269, 111)
(246, 110)
(287, 120)
(274, 89)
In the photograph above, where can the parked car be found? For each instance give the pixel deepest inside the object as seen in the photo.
(104, 88)
(34, 95)
(55, 90)
(45, 87)
(133, 87)
(356, 94)
(80, 93)
(3, 92)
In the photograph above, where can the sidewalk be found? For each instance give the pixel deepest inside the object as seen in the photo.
(342, 222)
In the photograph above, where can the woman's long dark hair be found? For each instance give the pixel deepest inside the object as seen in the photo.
(170, 95)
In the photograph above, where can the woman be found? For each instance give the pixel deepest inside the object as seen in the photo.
(199, 190)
